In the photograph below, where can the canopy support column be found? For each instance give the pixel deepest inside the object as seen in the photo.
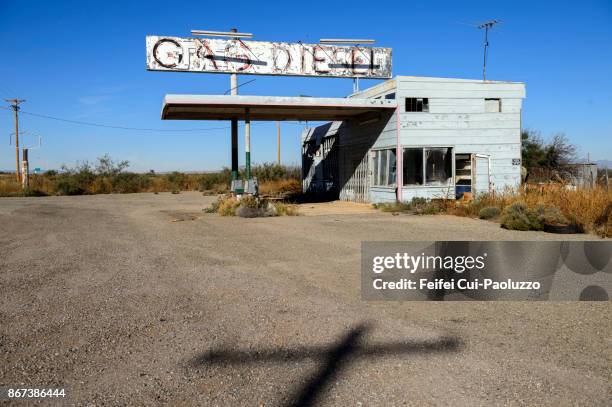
(247, 143)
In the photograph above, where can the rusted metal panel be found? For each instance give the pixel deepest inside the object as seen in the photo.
(266, 58)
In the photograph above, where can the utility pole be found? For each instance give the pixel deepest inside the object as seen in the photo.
(278, 161)
(486, 26)
(15, 105)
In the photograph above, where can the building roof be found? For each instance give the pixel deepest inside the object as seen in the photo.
(226, 107)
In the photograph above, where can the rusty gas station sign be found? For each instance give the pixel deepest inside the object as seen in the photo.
(266, 58)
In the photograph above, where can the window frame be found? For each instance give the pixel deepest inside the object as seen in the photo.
(424, 104)
(376, 167)
(424, 166)
(499, 105)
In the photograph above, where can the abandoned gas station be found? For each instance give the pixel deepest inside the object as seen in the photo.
(405, 137)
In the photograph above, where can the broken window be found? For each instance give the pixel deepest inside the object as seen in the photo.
(493, 105)
(413, 166)
(417, 105)
(384, 164)
(432, 164)
(439, 166)
(383, 169)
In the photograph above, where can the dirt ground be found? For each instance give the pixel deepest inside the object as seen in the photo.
(145, 299)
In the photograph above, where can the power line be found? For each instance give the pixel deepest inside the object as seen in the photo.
(108, 126)
(82, 123)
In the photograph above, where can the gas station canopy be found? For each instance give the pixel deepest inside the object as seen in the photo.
(227, 107)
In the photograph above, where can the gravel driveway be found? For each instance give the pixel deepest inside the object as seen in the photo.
(144, 299)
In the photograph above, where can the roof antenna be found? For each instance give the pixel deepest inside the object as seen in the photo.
(486, 26)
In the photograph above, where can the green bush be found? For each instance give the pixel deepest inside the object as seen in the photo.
(66, 187)
(549, 215)
(272, 172)
(129, 182)
(489, 212)
(176, 180)
(518, 217)
(211, 181)
(419, 206)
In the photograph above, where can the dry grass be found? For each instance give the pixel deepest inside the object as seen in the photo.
(589, 208)
(280, 187)
(251, 207)
(9, 185)
(74, 184)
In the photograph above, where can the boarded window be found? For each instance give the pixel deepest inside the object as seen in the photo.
(438, 166)
(417, 105)
(413, 166)
(492, 105)
(384, 167)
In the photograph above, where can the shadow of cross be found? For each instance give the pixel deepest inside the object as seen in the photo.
(333, 358)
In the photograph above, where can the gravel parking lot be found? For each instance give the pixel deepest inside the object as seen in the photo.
(145, 299)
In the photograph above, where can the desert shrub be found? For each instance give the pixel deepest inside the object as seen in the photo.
(418, 206)
(394, 207)
(519, 216)
(283, 209)
(603, 223)
(176, 180)
(251, 212)
(416, 201)
(489, 212)
(515, 217)
(214, 207)
(67, 186)
(101, 185)
(251, 207)
(249, 201)
(129, 182)
(430, 208)
(75, 181)
(272, 172)
(281, 188)
(423, 206)
(214, 180)
(228, 206)
(550, 215)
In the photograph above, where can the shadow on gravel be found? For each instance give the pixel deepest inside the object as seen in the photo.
(333, 358)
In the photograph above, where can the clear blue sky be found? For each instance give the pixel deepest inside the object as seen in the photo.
(85, 60)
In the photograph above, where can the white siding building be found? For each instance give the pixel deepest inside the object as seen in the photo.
(445, 136)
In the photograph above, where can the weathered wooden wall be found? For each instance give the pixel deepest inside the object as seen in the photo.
(457, 118)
